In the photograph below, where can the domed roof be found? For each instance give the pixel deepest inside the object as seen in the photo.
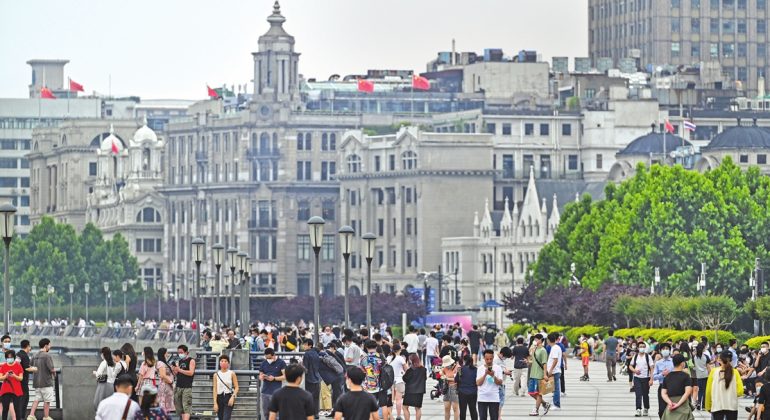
(653, 143)
(144, 133)
(112, 143)
(741, 137)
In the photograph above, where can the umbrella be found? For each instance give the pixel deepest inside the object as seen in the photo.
(491, 304)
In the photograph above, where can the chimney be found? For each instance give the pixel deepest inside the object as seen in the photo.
(452, 59)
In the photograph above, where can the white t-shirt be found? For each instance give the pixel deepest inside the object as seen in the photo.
(431, 346)
(489, 391)
(353, 353)
(112, 407)
(643, 363)
(412, 342)
(398, 364)
(554, 354)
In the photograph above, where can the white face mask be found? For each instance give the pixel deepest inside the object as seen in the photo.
(642, 349)
(665, 353)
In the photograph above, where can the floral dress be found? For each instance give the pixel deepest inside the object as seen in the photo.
(165, 390)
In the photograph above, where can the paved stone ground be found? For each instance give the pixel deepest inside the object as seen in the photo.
(596, 399)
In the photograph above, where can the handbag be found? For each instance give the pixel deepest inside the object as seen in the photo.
(545, 386)
(101, 379)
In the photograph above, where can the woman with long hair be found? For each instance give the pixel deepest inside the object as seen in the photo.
(129, 356)
(449, 371)
(147, 372)
(397, 361)
(723, 388)
(701, 365)
(149, 409)
(166, 384)
(105, 377)
(414, 386)
(467, 388)
(121, 366)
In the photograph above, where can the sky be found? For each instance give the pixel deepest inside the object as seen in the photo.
(160, 49)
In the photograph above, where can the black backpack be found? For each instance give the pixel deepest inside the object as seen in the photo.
(387, 376)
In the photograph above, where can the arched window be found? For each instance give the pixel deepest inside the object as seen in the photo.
(409, 160)
(264, 143)
(146, 159)
(148, 215)
(253, 141)
(275, 142)
(354, 163)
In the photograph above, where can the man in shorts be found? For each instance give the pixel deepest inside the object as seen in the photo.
(372, 364)
(184, 371)
(536, 373)
(43, 380)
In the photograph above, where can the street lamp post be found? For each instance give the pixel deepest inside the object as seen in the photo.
(198, 250)
(241, 261)
(346, 242)
(8, 213)
(87, 289)
(657, 281)
(702, 281)
(369, 243)
(125, 292)
(106, 301)
(316, 227)
(218, 253)
(160, 297)
(232, 259)
(50, 293)
(144, 300)
(754, 280)
(34, 302)
(245, 292)
(11, 311)
(72, 290)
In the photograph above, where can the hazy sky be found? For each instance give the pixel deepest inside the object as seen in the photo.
(173, 48)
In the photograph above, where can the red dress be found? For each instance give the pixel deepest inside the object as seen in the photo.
(11, 385)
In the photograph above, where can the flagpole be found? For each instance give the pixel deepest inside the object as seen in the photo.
(411, 115)
(69, 83)
(665, 129)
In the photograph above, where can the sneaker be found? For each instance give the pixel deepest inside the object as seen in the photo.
(563, 394)
(546, 407)
(748, 409)
(614, 379)
(645, 413)
(638, 413)
(534, 413)
(31, 418)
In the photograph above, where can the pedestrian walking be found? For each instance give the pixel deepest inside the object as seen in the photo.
(356, 404)
(723, 389)
(611, 355)
(129, 356)
(373, 364)
(554, 368)
(398, 362)
(585, 356)
(11, 375)
(475, 341)
(467, 389)
(431, 348)
(536, 373)
(640, 368)
(449, 370)
(118, 405)
(105, 377)
(184, 370)
(520, 355)
(225, 389)
(26, 364)
(676, 390)
(489, 378)
(292, 402)
(271, 375)
(165, 396)
(702, 367)
(43, 379)
(414, 378)
(663, 367)
(148, 372)
(311, 361)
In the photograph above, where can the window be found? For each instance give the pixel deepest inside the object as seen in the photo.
(381, 227)
(528, 162)
(529, 129)
(694, 4)
(325, 142)
(675, 47)
(91, 168)
(24, 201)
(354, 163)
(589, 93)
(728, 4)
(508, 169)
(761, 159)
(714, 50)
(742, 4)
(303, 210)
(728, 26)
(761, 5)
(303, 247)
(566, 129)
(544, 129)
(742, 51)
(741, 26)
(744, 159)
(675, 4)
(506, 129)
(303, 284)
(761, 53)
(24, 182)
(572, 164)
(695, 50)
(728, 49)
(714, 25)
(761, 26)
(675, 25)
(491, 128)
(304, 172)
(148, 245)
(327, 248)
(377, 164)
(599, 161)
(328, 170)
(328, 210)
(409, 160)
(391, 162)
(148, 215)
(695, 25)
(408, 226)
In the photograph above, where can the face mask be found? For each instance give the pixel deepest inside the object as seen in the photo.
(763, 350)
(665, 353)
(181, 355)
(9, 360)
(719, 349)
(642, 349)
(6, 345)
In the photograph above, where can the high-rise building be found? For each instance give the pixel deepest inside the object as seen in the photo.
(664, 33)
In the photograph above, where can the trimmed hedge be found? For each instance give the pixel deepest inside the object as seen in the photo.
(755, 342)
(659, 334)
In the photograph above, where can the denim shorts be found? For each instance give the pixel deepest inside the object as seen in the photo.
(502, 395)
(532, 386)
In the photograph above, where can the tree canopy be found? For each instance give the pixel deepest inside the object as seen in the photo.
(54, 254)
(670, 218)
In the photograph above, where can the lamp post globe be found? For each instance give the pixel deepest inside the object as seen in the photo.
(346, 244)
(315, 227)
(7, 222)
(369, 248)
(34, 302)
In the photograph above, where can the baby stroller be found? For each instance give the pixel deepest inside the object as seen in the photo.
(435, 373)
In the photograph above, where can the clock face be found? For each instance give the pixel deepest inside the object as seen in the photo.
(264, 111)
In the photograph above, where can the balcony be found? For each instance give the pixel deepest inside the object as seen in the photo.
(263, 224)
(253, 153)
(201, 156)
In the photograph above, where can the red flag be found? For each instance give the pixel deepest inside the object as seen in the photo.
(669, 127)
(75, 86)
(46, 93)
(115, 148)
(420, 83)
(212, 93)
(365, 86)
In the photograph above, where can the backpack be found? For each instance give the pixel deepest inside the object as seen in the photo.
(387, 376)
(330, 362)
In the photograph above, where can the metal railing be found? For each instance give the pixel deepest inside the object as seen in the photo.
(208, 359)
(247, 406)
(171, 335)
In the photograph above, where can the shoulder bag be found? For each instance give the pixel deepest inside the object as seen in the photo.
(546, 385)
